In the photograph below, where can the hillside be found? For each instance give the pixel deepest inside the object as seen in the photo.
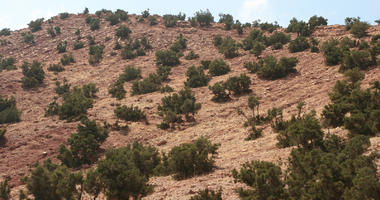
(29, 139)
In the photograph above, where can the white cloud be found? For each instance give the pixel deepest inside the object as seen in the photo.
(256, 9)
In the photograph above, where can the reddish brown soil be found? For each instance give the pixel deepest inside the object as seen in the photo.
(35, 134)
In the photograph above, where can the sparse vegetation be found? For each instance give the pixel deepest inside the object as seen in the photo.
(96, 54)
(204, 18)
(36, 24)
(167, 57)
(299, 44)
(218, 67)
(7, 63)
(78, 45)
(8, 111)
(5, 32)
(55, 68)
(356, 27)
(123, 32)
(28, 37)
(196, 77)
(61, 47)
(208, 194)
(63, 15)
(192, 55)
(33, 74)
(226, 46)
(67, 59)
(130, 113)
(238, 84)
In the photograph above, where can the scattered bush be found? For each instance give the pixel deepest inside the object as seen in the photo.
(278, 38)
(78, 45)
(8, 111)
(113, 18)
(170, 20)
(130, 113)
(166, 88)
(238, 84)
(208, 194)
(179, 44)
(332, 52)
(298, 45)
(355, 58)
(152, 21)
(33, 74)
(266, 26)
(67, 59)
(218, 67)
(84, 145)
(253, 67)
(227, 19)
(36, 24)
(94, 24)
(5, 189)
(217, 40)
(300, 27)
(61, 47)
(173, 106)
(28, 37)
(123, 32)
(190, 159)
(359, 29)
(192, 55)
(55, 68)
(7, 63)
(117, 90)
(228, 47)
(96, 54)
(270, 68)
(64, 89)
(130, 73)
(205, 64)
(63, 15)
(147, 85)
(167, 57)
(5, 32)
(204, 18)
(219, 91)
(51, 32)
(123, 15)
(315, 21)
(196, 77)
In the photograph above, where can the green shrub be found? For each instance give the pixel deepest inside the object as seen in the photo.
(238, 84)
(332, 52)
(190, 159)
(36, 24)
(8, 111)
(355, 58)
(174, 106)
(163, 72)
(228, 47)
(152, 20)
(94, 24)
(147, 85)
(227, 19)
(64, 89)
(204, 18)
(5, 32)
(208, 194)
(255, 36)
(170, 20)
(349, 21)
(113, 18)
(179, 44)
(67, 59)
(51, 32)
(90, 90)
(51, 181)
(205, 64)
(123, 15)
(99, 13)
(258, 48)
(55, 68)
(278, 38)
(166, 88)
(277, 46)
(130, 113)
(359, 29)
(84, 145)
(123, 32)
(218, 67)
(196, 77)
(238, 27)
(117, 90)
(61, 47)
(145, 43)
(7, 63)
(300, 27)
(130, 73)
(217, 40)
(96, 54)
(5, 189)
(315, 21)
(219, 91)
(28, 37)
(270, 68)
(88, 19)
(91, 40)
(167, 57)
(63, 15)
(263, 178)
(192, 55)
(33, 74)
(298, 45)
(78, 45)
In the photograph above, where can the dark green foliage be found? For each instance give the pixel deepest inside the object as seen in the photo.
(174, 106)
(362, 105)
(263, 178)
(55, 68)
(205, 64)
(227, 46)
(63, 15)
(315, 21)
(130, 73)
(86, 11)
(300, 27)
(298, 45)
(147, 85)
(204, 18)
(145, 42)
(117, 90)
(90, 90)
(238, 27)
(123, 32)
(51, 32)
(166, 88)
(196, 77)
(84, 145)
(64, 89)
(277, 38)
(123, 15)
(88, 19)
(36, 24)
(253, 67)
(96, 54)
(117, 46)
(277, 46)
(28, 37)
(78, 45)
(227, 19)
(355, 58)
(163, 72)
(145, 13)
(125, 171)
(5, 189)
(375, 38)
(167, 57)
(61, 47)
(8, 110)
(179, 44)
(2, 138)
(113, 18)
(257, 49)
(219, 91)
(314, 45)
(217, 40)
(130, 113)
(332, 52)
(170, 20)
(270, 68)
(192, 55)
(218, 67)
(99, 13)
(91, 40)
(5, 32)
(359, 29)
(33, 74)
(266, 26)
(238, 84)
(94, 23)
(191, 159)
(152, 20)
(208, 194)
(67, 59)
(7, 63)
(93, 184)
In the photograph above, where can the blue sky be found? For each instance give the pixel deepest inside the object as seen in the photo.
(16, 14)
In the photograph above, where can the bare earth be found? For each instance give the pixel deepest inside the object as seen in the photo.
(35, 134)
